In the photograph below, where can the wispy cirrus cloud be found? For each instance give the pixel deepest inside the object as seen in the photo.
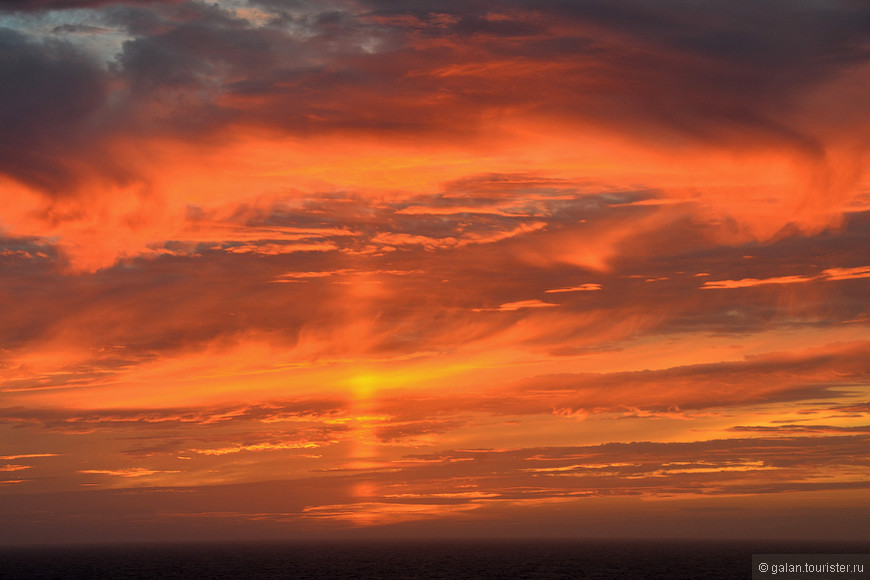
(126, 472)
(847, 273)
(12, 467)
(589, 287)
(828, 274)
(519, 305)
(267, 446)
(27, 456)
(749, 282)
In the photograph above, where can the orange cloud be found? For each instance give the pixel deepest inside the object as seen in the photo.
(128, 472)
(749, 282)
(511, 306)
(581, 288)
(248, 231)
(847, 273)
(257, 447)
(11, 467)
(828, 274)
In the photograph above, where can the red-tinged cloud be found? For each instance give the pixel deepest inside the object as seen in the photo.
(581, 288)
(485, 485)
(633, 463)
(451, 210)
(847, 273)
(519, 305)
(749, 282)
(767, 378)
(27, 456)
(126, 472)
(256, 447)
(275, 249)
(398, 259)
(194, 79)
(790, 429)
(393, 240)
(776, 378)
(12, 467)
(828, 274)
(860, 408)
(274, 411)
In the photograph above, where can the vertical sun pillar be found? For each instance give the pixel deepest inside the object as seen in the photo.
(363, 450)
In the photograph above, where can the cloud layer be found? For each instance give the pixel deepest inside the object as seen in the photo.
(420, 264)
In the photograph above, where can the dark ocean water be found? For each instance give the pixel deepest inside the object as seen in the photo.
(391, 560)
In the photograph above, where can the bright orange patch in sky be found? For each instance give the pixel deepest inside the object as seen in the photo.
(361, 269)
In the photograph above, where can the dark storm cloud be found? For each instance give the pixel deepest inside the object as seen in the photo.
(717, 70)
(702, 74)
(761, 35)
(182, 47)
(39, 128)
(714, 73)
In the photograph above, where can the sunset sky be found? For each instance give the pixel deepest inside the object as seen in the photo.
(369, 268)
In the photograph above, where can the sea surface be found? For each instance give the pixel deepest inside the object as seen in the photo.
(406, 559)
